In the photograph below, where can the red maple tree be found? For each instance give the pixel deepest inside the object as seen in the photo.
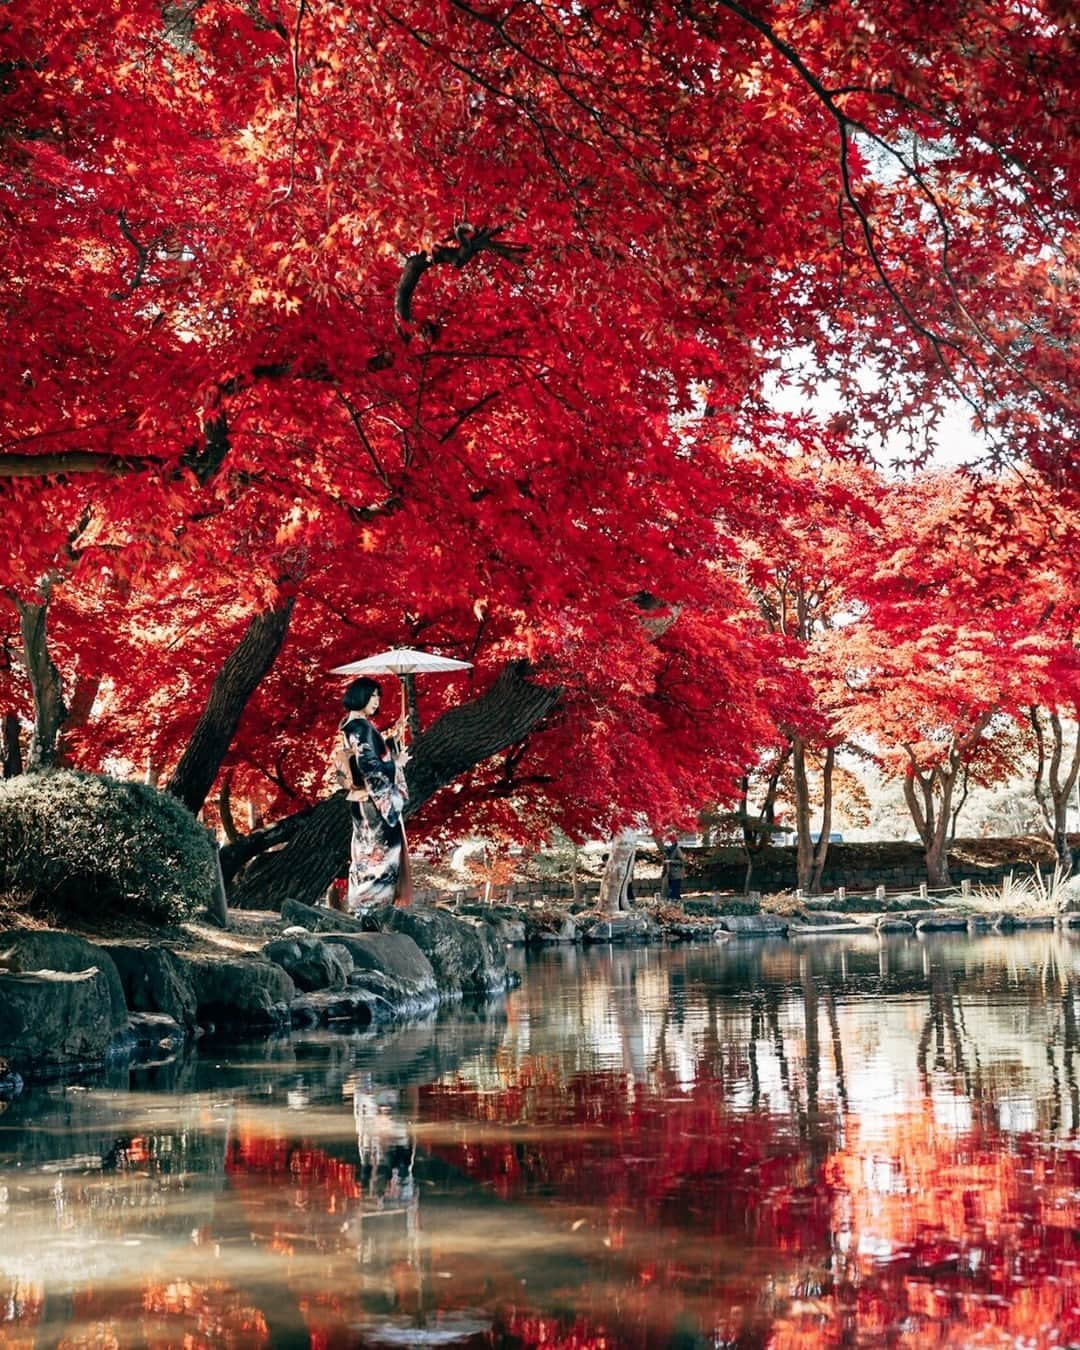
(326, 324)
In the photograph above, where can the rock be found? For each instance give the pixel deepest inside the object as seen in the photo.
(11, 1083)
(491, 975)
(850, 904)
(1037, 921)
(942, 923)
(717, 903)
(628, 927)
(155, 1033)
(322, 919)
(753, 925)
(155, 980)
(567, 931)
(907, 900)
(355, 1006)
(511, 931)
(51, 949)
(462, 955)
(808, 915)
(1068, 893)
(311, 963)
(50, 1018)
(507, 922)
(888, 924)
(388, 1001)
(244, 990)
(837, 929)
(391, 968)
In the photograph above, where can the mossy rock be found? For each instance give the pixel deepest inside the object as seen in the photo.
(712, 908)
(87, 845)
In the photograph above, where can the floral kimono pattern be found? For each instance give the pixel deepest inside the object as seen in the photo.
(379, 859)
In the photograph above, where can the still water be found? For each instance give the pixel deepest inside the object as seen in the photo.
(838, 1143)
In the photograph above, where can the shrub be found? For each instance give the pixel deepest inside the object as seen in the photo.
(87, 844)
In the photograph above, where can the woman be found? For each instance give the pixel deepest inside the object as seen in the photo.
(379, 859)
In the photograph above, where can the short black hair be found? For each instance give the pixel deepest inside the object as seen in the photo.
(358, 695)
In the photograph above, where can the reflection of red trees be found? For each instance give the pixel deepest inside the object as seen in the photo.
(672, 1215)
(154, 1316)
(668, 1157)
(921, 1237)
(322, 1180)
(968, 1239)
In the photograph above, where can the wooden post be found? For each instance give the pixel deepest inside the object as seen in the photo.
(841, 894)
(879, 893)
(922, 891)
(965, 888)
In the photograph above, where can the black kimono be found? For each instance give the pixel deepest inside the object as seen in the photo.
(379, 860)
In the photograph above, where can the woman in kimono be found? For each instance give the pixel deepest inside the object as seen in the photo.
(379, 859)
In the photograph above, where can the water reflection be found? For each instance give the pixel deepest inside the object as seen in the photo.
(854, 1143)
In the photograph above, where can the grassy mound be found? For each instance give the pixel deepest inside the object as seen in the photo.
(88, 845)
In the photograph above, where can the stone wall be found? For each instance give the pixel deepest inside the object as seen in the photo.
(856, 867)
(864, 867)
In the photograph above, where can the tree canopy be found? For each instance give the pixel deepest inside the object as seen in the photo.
(463, 324)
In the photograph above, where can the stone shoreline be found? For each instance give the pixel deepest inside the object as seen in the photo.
(71, 1004)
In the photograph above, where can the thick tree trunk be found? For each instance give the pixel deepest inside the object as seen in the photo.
(236, 855)
(618, 873)
(10, 746)
(49, 709)
(317, 848)
(237, 680)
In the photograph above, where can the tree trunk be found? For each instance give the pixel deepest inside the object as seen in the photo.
(757, 835)
(810, 857)
(412, 707)
(224, 805)
(618, 873)
(937, 864)
(1055, 781)
(82, 705)
(932, 820)
(49, 709)
(236, 855)
(10, 747)
(804, 842)
(237, 680)
(317, 847)
(821, 852)
(965, 790)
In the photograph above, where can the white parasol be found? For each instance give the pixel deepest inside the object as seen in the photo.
(402, 661)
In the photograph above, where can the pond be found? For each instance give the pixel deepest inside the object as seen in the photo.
(854, 1142)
